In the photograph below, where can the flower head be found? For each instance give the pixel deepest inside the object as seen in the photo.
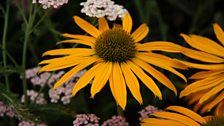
(115, 55)
(175, 116)
(207, 90)
(215, 121)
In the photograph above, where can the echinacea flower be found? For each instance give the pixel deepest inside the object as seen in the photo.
(115, 55)
(207, 90)
(180, 116)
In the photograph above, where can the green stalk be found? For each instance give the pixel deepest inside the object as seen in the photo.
(26, 40)
(6, 17)
(162, 25)
(140, 10)
(12, 59)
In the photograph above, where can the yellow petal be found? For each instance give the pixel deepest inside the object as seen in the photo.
(71, 51)
(157, 62)
(140, 33)
(212, 92)
(145, 79)
(145, 124)
(192, 98)
(219, 111)
(86, 78)
(74, 70)
(57, 66)
(119, 86)
(160, 46)
(188, 113)
(127, 23)
(205, 74)
(60, 64)
(76, 41)
(117, 26)
(176, 117)
(103, 25)
(201, 88)
(202, 56)
(204, 44)
(209, 45)
(132, 82)
(165, 60)
(217, 100)
(59, 60)
(156, 74)
(161, 122)
(86, 26)
(204, 66)
(101, 78)
(111, 83)
(80, 37)
(201, 85)
(204, 109)
(219, 33)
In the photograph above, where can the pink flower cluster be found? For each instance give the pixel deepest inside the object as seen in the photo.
(6, 110)
(116, 121)
(43, 78)
(35, 97)
(64, 92)
(86, 120)
(25, 123)
(147, 111)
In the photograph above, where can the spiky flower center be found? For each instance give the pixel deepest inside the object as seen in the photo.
(215, 121)
(115, 45)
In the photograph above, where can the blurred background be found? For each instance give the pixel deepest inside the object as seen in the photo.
(165, 18)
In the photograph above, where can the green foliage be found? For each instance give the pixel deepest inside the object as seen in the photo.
(22, 112)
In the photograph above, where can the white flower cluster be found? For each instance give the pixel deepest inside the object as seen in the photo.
(103, 8)
(51, 3)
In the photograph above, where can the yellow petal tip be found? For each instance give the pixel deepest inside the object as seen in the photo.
(92, 96)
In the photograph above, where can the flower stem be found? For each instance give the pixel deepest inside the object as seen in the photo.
(28, 31)
(162, 25)
(140, 10)
(120, 111)
(6, 17)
